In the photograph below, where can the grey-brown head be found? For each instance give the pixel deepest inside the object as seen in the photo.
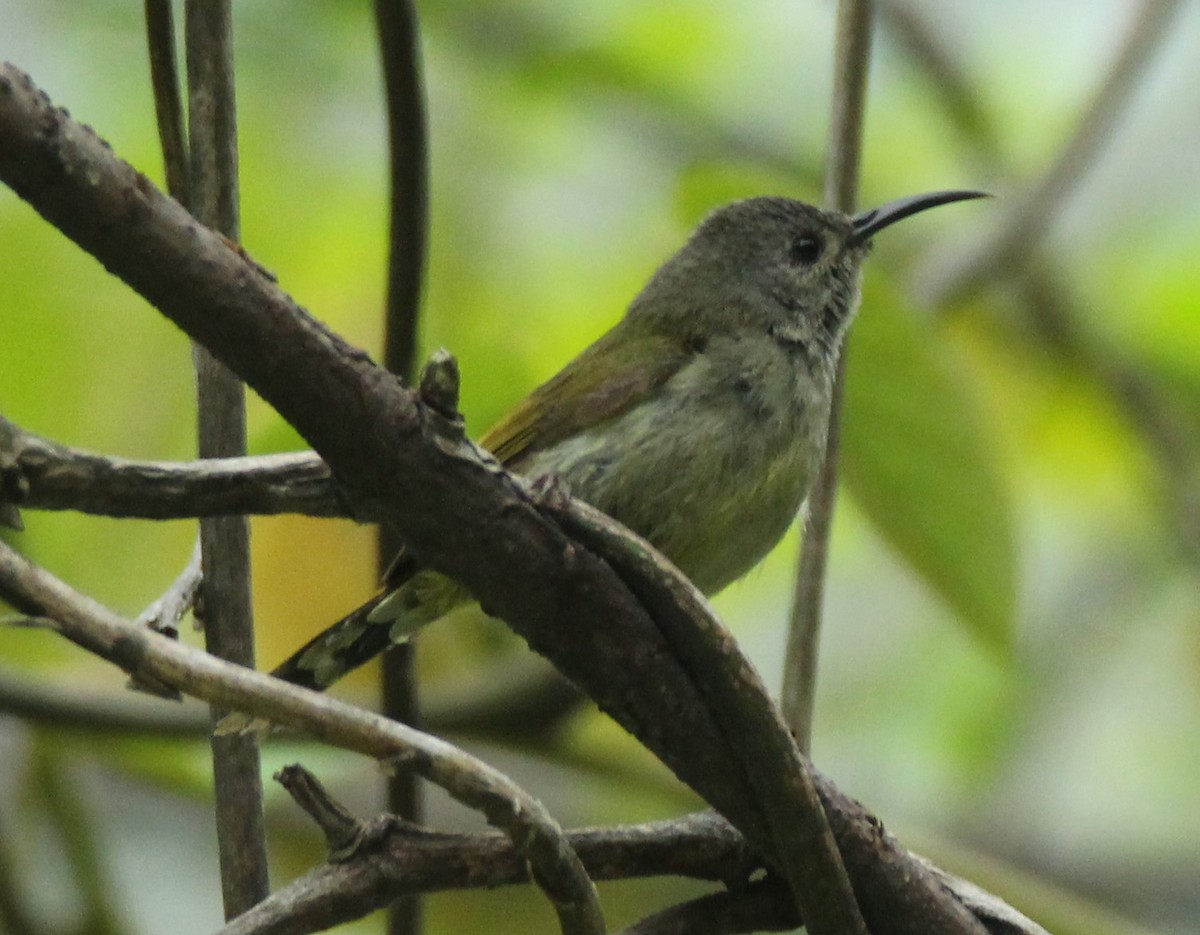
(775, 264)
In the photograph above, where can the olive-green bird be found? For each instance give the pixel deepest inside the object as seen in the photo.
(699, 421)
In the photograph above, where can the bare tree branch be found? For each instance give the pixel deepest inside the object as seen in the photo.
(404, 460)
(226, 602)
(150, 655)
(996, 915)
(399, 41)
(741, 705)
(396, 458)
(388, 858)
(406, 858)
(511, 700)
(165, 612)
(883, 871)
(345, 835)
(43, 475)
(764, 907)
(411, 860)
(168, 107)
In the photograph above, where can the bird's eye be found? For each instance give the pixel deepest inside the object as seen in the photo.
(805, 250)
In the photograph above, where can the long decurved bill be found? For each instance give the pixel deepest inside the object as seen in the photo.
(868, 223)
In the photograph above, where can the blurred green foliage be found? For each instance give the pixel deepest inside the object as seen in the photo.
(999, 494)
(916, 457)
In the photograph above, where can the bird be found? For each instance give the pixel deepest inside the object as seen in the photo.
(698, 421)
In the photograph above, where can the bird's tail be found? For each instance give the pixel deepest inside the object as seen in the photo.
(336, 650)
(390, 617)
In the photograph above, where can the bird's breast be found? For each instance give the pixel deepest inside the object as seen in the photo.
(713, 469)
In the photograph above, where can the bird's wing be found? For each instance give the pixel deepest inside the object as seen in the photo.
(608, 379)
(618, 372)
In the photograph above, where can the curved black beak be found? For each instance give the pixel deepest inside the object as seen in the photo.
(868, 223)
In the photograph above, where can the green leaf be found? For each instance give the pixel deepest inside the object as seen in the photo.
(916, 458)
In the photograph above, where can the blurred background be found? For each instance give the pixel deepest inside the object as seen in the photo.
(1010, 670)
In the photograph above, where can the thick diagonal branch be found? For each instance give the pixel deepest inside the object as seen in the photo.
(404, 462)
(454, 506)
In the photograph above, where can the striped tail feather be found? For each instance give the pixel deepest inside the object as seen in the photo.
(390, 617)
(337, 650)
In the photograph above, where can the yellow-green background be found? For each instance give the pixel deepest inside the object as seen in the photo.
(1012, 653)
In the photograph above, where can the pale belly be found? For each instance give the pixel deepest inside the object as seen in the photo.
(715, 470)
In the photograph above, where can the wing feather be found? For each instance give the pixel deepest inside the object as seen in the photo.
(614, 375)
(617, 373)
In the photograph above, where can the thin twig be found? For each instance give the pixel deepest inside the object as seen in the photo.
(173, 604)
(510, 700)
(168, 106)
(408, 859)
(852, 54)
(225, 541)
(399, 42)
(798, 694)
(344, 834)
(852, 60)
(227, 686)
(44, 475)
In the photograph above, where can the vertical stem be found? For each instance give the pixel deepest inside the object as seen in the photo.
(400, 49)
(396, 22)
(852, 53)
(852, 58)
(225, 541)
(168, 108)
